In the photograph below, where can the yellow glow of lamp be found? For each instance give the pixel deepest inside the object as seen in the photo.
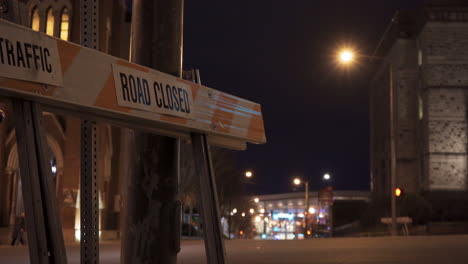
(398, 192)
(346, 56)
(297, 181)
(248, 174)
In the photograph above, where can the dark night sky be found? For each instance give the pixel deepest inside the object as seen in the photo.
(280, 54)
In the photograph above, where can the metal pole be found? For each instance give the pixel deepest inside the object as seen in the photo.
(89, 190)
(89, 195)
(392, 152)
(306, 213)
(229, 219)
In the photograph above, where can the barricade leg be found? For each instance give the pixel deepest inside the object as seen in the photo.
(42, 218)
(214, 243)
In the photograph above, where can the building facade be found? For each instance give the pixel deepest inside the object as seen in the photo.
(428, 51)
(60, 18)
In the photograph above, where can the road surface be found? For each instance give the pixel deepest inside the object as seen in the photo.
(388, 250)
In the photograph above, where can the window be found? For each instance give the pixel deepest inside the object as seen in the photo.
(35, 19)
(50, 22)
(64, 24)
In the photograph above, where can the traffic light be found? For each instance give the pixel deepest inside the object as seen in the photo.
(398, 192)
(2, 115)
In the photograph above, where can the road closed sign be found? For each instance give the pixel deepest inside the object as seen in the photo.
(26, 56)
(152, 92)
(73, 79)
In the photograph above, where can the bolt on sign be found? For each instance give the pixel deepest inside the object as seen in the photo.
(71, 78)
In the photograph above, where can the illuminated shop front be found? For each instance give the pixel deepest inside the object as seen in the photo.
(283, 217)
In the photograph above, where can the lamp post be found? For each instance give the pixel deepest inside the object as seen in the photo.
(298, 181)
(347, 57)
(248, 175)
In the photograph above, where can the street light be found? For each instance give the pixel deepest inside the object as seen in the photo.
(256, 200)
(298, 181)
(327, 177)
(311, 210)
(248, 174)
(347, 56)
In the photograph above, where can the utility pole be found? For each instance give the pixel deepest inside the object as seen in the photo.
(152, 222)
(393, 179)
(306, 213)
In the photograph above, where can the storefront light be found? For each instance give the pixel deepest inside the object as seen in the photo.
(283, 216)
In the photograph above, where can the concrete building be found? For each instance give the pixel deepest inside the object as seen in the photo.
(428, 49)
(60, 18)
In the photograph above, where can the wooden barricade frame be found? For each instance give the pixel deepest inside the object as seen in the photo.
(42, 73)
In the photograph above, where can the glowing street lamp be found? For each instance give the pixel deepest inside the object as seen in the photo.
(327, 177)
(346, 57)
(297, 181)
(256, 200)
(248, 174)
(251, 211)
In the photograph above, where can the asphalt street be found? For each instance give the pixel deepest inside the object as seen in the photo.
(388, 250)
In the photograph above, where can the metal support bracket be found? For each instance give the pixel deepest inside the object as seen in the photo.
(42, 217)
